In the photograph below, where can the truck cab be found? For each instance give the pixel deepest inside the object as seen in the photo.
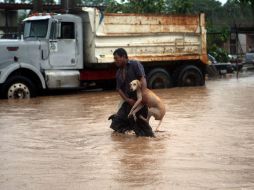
(48, 56)
(63, 37)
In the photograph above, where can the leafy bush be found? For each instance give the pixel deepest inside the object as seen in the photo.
(218, 53)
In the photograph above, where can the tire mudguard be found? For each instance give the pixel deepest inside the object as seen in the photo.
(11, 67)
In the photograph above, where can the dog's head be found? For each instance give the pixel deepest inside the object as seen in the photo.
(134, 85)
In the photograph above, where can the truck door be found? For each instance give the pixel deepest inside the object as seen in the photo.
(63, 47)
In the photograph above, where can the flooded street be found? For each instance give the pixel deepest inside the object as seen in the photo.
(64, 142)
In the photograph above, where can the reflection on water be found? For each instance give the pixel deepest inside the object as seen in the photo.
(64, 142)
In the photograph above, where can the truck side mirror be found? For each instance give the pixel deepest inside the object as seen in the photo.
(53, 30)
(58, 30)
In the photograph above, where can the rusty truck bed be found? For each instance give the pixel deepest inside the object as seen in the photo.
(148, 37)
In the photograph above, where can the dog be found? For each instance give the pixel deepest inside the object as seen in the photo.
(156, 107)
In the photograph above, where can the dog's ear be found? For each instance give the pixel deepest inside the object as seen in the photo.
(139, 83)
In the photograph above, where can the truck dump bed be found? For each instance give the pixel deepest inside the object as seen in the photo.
(145, 37)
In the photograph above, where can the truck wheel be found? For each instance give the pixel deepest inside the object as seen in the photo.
(159, 78)
(190, 76)
(18, 87)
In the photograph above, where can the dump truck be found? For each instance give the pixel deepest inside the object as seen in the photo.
(74, 51)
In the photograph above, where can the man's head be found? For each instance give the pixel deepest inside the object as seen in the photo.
(120, 57)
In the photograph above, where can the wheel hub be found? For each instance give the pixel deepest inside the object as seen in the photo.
(158, 83)
(18, 91)
(189, 81)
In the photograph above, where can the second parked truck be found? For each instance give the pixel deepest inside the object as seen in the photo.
(68, 51)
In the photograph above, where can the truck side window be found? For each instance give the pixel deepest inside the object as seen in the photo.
(67, 30)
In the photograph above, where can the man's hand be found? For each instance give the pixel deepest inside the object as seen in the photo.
(130, 101)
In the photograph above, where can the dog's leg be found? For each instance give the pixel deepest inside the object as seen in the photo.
(157, 128)
(156, 114)
(139, 107)
(137, 103)
(144, 119)
(149, 115)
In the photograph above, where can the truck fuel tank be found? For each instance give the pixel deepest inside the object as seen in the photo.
(56, 79)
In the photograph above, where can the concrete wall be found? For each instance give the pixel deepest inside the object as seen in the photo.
(242, 45)
(250, 41)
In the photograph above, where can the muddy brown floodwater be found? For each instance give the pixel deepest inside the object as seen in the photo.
(64, 142)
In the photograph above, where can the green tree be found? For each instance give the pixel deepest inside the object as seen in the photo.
(113, 6)
(143, 6)
(178, 6)
(248, 2)
(236, 12)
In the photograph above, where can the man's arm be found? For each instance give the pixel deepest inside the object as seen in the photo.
(143, 82)
(140, 72)
(125, 98)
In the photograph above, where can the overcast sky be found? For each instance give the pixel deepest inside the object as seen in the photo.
(223, 1)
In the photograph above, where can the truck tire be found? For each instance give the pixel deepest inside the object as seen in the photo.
(159, 78)
(190, 75)
(18, 87)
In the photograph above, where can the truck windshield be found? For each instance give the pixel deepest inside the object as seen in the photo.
(36, 29)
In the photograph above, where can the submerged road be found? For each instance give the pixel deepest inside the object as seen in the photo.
(64, 142)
